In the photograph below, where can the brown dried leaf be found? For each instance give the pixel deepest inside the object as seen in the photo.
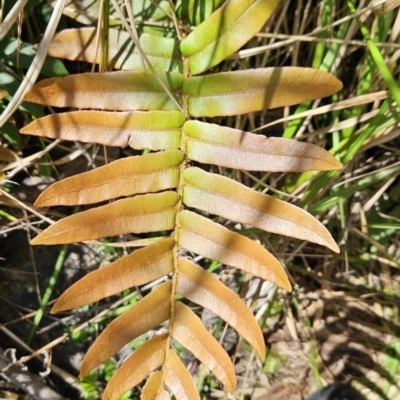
(8, 155)
(118, 91)
(211, 240)
(138, 268)
(154, 388)
(201, 287)
(146, 314)
(141, 174)
(3, 93)
(229, 199)
(80, 44)
(233, 148)
(178, 379)
(141, 363)
(190, 332)
(154, 130)
(147, 213)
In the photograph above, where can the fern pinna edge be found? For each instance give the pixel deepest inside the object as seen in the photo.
(162, 191)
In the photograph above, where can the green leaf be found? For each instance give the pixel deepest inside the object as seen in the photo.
(377, 56)
(241, 92)
(11, 84)
(196, 11)
(23, 57)
(224, 32)
(10, 132)
(148, 10)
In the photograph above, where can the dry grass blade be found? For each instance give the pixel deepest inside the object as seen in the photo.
(381, 7)
(36, 66)
(11, 17)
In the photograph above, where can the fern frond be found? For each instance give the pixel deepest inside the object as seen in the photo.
(164, 192)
